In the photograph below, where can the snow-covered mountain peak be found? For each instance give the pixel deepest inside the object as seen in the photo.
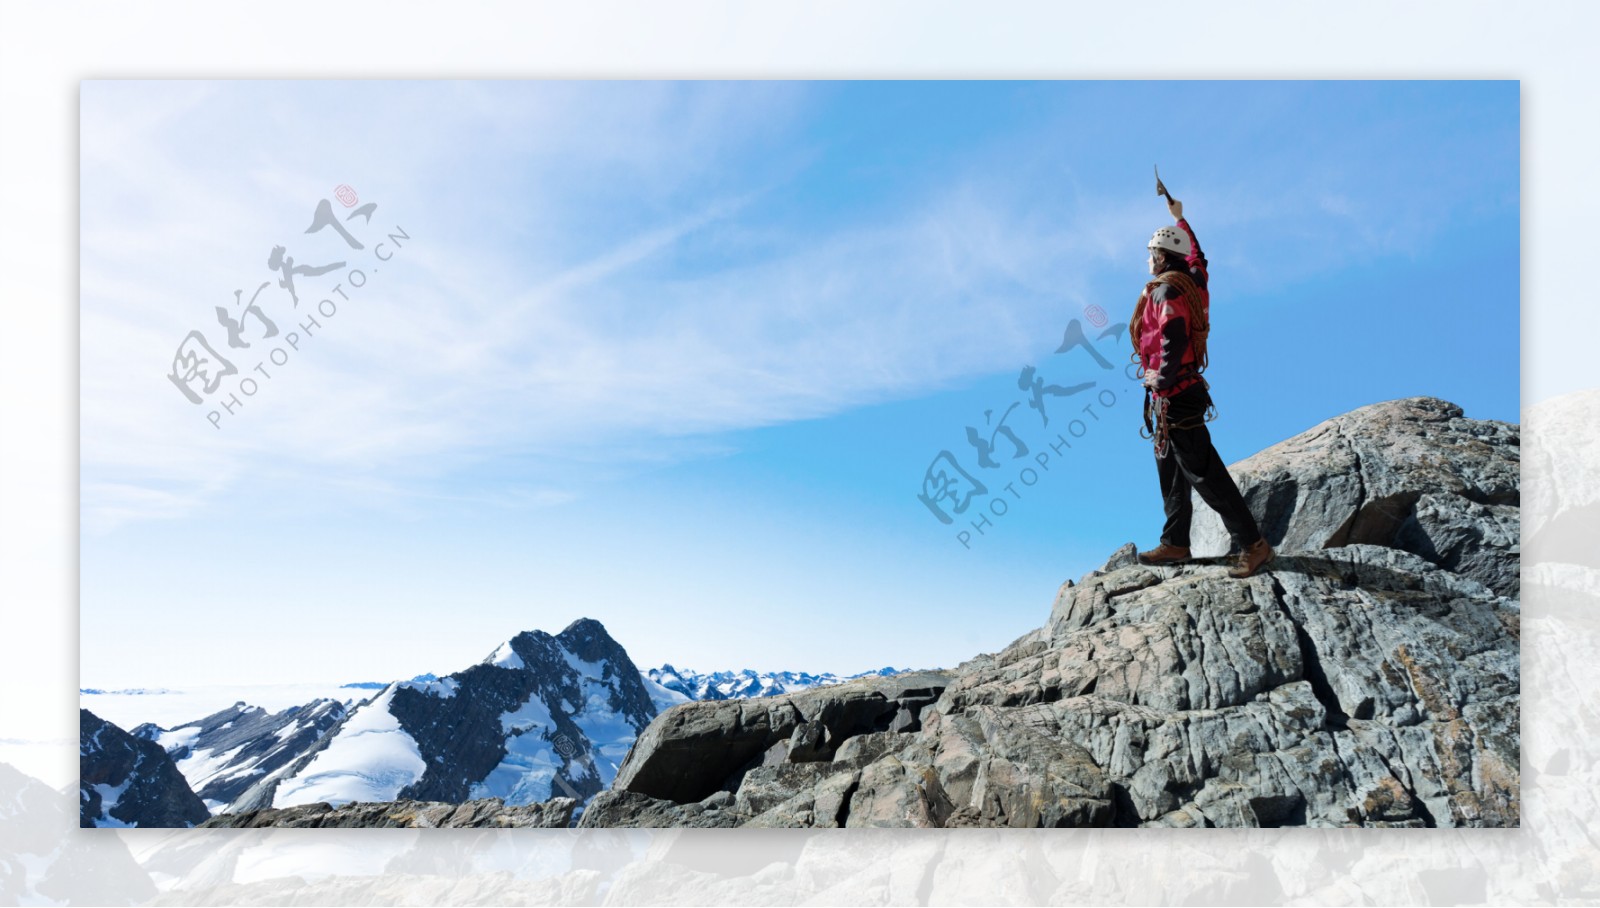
(542, 715)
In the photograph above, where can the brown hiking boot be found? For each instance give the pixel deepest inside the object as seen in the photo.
(1251, 559)
(1165, 554)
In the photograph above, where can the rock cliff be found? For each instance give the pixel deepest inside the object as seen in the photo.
(1368, 678)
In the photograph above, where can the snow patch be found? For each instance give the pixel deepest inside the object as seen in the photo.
(527, 772)
(529, 715)
(109, 796)
(370, 759)
(199, 766)
(170, 741)
(443, 688)
(663, 697)
(506, 657)
(288, 731)
(525, 776)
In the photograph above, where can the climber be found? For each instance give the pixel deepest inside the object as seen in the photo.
(1169, 329)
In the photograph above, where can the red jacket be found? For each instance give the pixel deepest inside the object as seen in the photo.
(1163, 329)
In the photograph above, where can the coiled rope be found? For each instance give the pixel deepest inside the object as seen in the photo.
(1156, 422)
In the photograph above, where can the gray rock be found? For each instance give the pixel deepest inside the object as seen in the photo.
(487, 813)
(766, 787)
(1361, 478)
(998, 767)
(1475, 540)
(808, 743)
(1127, 556)
(631, 809)
(860, 750)
(693, 749)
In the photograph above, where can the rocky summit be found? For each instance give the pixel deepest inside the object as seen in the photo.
(1368, 677)
(1413, 474)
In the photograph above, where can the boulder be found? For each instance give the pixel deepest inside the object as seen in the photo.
(1360, 478)
(693, 749)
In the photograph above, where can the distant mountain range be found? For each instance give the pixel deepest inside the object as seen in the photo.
(727, 685)
(380, 685)
(541, 716)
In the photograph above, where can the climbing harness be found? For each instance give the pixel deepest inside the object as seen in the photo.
(1157, 425)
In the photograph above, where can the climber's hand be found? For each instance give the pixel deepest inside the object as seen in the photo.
(1176, 207)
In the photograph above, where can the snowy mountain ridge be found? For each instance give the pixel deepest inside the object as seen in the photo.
(541, 716)
(735, 685)
(226, 752)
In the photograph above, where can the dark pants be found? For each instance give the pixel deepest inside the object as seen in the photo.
(1192, 462)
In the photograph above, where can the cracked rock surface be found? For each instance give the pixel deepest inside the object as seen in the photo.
(1364, 679)
(1414, 474)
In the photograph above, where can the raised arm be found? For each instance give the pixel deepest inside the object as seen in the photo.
(1195, 259)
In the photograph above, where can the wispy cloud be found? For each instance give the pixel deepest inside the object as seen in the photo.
(473, 354)
(595, 280)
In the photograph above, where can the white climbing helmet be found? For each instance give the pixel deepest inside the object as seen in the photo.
(1173, 240)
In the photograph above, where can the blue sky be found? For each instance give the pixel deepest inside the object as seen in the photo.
(676, 355)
